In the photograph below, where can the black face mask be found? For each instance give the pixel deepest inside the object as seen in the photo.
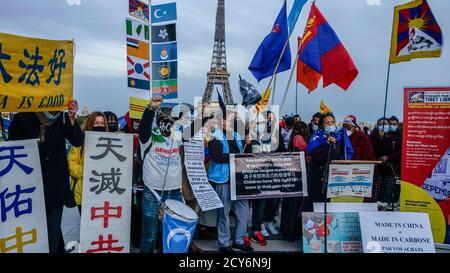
(113, 127)
(99, 129)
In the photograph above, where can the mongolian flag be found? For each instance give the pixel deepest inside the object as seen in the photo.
(262, 104)
(322, 54)
(415, 33)
(139, 9)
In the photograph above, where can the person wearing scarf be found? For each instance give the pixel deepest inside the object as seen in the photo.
(328, 136)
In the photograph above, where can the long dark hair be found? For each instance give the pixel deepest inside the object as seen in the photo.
(300, 129)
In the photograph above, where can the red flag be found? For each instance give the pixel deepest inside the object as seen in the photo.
(323, 54)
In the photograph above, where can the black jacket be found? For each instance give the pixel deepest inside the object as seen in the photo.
(54, 165)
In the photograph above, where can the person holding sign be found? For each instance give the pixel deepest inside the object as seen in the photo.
(96, 121)
(162, 166)
(326, 145)
(51, 129)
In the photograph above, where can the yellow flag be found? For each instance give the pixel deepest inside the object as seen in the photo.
(137, 107)
(36, 75)
(324, 109)
(262, 103)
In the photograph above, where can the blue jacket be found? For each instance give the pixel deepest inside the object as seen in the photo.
(219, 172)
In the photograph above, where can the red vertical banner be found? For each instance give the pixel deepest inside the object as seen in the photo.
(426, 157)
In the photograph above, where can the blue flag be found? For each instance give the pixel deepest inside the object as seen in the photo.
(294, 14)
(164, 13)
(266, 57)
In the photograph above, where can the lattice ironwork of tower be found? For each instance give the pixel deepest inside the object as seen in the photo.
(218, 75)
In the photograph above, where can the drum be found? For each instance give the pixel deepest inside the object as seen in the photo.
(179, 225)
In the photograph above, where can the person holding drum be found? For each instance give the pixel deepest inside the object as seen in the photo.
(162, 166)
(223, 143)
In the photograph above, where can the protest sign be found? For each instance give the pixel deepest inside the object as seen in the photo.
(107, 179)
(344, 234)
(350, 180)
(396, 232)
(425, 173)
(256, 176)
(206, 196)
(36, 75)
(23, 224)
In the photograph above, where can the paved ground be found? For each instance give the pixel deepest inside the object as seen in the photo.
(71, 232)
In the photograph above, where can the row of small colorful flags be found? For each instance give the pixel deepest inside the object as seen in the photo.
(156, 71)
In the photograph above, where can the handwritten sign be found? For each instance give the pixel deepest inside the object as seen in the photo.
(206, 196)
(36, 75)
(106, 205)
(23, 224)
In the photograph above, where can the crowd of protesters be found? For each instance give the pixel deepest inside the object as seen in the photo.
(255, 220)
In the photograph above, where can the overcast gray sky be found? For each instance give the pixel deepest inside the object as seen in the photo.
(98, 28)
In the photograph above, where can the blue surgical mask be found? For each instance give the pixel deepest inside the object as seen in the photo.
(50, 116)
(384, 128)
(393, 128)
(330, 129)
(315, 128)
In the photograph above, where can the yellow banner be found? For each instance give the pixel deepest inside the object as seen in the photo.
(36, 75)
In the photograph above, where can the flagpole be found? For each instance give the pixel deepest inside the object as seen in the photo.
(291, 76)
(388, 71)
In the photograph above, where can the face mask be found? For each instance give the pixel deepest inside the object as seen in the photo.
(315, 128)
(50, 116)
(384, 128)
(349, 133)
(113, 127)
(260, 129)
(136, 126)
(99, 129)
(330, 129)
(393, 128)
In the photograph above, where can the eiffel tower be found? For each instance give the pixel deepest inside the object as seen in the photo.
(218, 75)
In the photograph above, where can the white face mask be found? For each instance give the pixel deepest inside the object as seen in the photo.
(349, 133)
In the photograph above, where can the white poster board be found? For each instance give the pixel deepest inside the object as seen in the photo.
(350, 180)
(106, 203)
(346, 207)
(396, 232)
(194, 159)
(23, 224)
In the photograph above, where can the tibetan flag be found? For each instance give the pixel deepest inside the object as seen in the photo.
(164, 13)
(164, 70)
(138, 73)
(139, 9)
(323, 54)
(262, 104)
(164, 34)
(138, 39)
(269, 52)
(165, 89)
(415, 33)
(164, 52)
